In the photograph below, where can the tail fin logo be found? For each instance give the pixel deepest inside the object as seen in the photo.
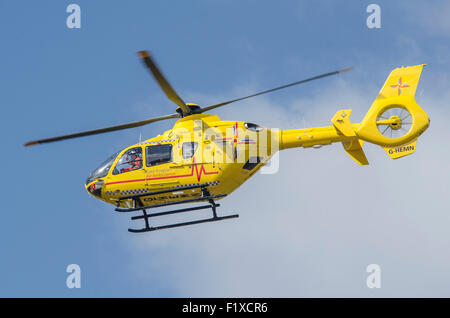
(399, 86)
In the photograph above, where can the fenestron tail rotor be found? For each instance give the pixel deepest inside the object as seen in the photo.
(395, 122)
(183, 110)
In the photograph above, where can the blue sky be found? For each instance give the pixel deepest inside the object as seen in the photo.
(57, 80)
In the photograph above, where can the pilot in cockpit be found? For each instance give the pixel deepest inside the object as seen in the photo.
(134, 159)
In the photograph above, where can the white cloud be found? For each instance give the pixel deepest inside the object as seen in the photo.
(312, 228)
(431, 15)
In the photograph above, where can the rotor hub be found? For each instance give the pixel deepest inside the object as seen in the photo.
(193, 109)
(395, 122)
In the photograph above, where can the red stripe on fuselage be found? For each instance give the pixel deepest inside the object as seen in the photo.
(197, 172)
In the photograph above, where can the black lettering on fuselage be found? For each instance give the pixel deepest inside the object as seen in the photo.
(401, 149)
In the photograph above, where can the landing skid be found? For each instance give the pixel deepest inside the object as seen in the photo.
(139, 206)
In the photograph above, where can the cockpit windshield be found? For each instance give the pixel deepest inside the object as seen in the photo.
(103, 169)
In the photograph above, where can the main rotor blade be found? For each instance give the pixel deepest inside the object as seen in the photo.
(207, 108)
(102, 130)
(170, 92)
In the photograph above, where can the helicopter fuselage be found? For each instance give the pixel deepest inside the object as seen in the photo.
(199, 149)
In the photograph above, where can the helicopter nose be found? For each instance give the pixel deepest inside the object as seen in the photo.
(95, 188)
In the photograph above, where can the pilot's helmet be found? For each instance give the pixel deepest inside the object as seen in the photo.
(133, 153)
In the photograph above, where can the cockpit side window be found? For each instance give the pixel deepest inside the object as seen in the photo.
(158, 154)
(130, 160)
(189, 149)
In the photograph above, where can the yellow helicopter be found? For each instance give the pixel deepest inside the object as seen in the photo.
(202, 159)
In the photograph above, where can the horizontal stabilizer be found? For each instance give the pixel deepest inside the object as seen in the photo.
(354, 149)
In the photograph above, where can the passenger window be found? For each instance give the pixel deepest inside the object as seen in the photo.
(189, 149)
(130, 160)
(158, 154)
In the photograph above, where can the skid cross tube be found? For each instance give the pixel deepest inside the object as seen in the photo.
(195, 208)
(139, 206)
